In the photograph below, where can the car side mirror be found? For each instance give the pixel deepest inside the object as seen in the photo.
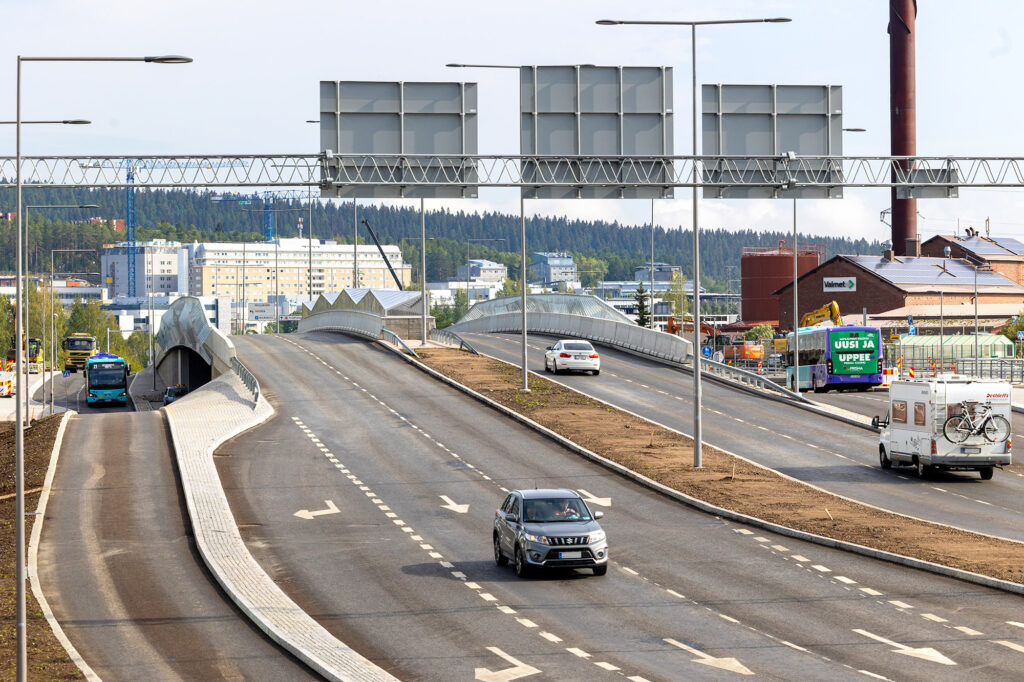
(599, 515)
(510, 517)
(550, 348)
(874, 421)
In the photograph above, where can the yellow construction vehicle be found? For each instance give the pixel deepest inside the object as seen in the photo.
(825, 312)
(79, 347)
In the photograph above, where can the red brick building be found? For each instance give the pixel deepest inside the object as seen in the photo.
(1005, 255)
(882, 283)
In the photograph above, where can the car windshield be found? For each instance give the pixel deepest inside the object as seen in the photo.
(176, 391)
(555, 509)
(578, 345)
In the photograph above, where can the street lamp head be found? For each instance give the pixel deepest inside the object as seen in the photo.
(455, 66)
(168, 59)
(310, 120)
(76, 122)
(855, 130)
(778, 20)
(607, 22)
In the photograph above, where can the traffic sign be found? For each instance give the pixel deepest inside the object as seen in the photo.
(1020, 336)
(65, 373)
(705, 351)
(912, 331)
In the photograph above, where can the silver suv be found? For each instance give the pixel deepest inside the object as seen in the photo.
(548, 528)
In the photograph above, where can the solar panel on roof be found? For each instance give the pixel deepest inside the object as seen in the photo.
(982, 247)
(1010, 244)
(926, 270)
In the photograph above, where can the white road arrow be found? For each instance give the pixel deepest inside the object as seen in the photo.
(727, 663)
(602, 501)
(924, 653)
(457, 508)
(518, 669)
(306, 514)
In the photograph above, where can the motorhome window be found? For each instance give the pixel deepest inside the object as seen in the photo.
(919, 414)
(899, 411)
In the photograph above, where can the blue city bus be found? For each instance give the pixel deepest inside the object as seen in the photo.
(106, 378)
(847, 358)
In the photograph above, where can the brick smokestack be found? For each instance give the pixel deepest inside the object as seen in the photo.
(903, 117)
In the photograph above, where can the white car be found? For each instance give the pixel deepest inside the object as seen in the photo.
(572, 354)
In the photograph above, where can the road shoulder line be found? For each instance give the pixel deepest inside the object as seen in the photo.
(33, 556)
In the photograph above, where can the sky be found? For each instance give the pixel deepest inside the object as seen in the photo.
(254, 83)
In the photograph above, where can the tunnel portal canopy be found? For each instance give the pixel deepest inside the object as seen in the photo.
(583, 305)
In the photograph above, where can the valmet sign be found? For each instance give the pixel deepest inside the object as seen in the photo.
(839, 284)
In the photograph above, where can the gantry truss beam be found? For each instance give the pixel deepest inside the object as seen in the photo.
(362, 170)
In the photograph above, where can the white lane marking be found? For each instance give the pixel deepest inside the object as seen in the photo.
(629, 570)
(967, 631)
(487, 596)
(779, 548)
(1009, 622)
(868, 590)
(727, 663)
(675, 594)
(507, 610)
(924, 653)
(449, 504)
(802, 559)
(590, 499)
(792, 646)
(761, 539)
(744, 531)
(308, 515)
(459, 574)
(551, 637)
(518, 669)
(606, 666)
(426, 546)
(473, 586)
(578, 652)
(447, 564)
(526, 622)
(728, 618)
(1010, 645)
(844, 579)
(900, 604)
(871, 674)
(821, 569)
(932, 617)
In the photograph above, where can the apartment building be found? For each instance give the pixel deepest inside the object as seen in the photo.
(159, 267)
(261, 271)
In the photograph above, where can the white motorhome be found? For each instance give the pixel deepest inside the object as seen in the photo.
(912, 432)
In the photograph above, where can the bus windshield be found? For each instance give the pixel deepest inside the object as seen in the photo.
(106, 375)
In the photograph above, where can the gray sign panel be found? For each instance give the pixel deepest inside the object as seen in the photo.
(403, 119)
(596, 111)
(768, 120)
(934, 184)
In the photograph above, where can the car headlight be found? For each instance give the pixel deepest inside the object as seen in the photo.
(542, 539)
(597, 536)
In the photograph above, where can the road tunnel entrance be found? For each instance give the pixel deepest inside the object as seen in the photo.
(182, 365)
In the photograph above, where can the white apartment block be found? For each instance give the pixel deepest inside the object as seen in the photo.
(261, 271)
(480, 270)
(158, 267)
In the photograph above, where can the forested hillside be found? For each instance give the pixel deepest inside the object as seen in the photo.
(607, 249)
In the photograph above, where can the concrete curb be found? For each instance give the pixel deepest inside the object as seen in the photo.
(938, 569)
(225, 554)
(33, 556)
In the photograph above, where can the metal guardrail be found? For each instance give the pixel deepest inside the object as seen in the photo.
(1006, 369)
(749, 378)
(451, 339)
(394, 338)
(248, 379)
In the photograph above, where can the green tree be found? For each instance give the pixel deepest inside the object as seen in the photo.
(510, 288)
(680, 304)
(643, 317)
(758, 333)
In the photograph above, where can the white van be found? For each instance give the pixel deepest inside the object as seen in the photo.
(913, 432)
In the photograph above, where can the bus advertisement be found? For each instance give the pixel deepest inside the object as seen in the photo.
(106, 378)
(841, 358)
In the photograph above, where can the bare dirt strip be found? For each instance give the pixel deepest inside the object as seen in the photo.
(724, 480)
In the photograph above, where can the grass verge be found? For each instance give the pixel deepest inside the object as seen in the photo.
(47, 659)
(725, 481)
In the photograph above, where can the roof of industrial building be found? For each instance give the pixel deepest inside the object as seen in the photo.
(921, 274)
(988, 248)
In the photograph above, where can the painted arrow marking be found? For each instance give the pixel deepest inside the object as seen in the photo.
(726, 663)
(924, 653)
(307, 514)
(590, 499)
(518, 669)
(457, 508)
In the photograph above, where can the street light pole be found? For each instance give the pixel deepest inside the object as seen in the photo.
(423, 272)
(697, 436)
(21, 657)
(652, 263)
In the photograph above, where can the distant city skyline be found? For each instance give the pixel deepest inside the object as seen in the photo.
(254, 83)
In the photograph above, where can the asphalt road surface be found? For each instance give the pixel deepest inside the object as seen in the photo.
(838, 457)
(118, 565)
(353, 498)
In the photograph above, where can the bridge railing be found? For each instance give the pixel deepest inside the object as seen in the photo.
(357, 322)
(248, 380)
(452, 339)
(394, 338)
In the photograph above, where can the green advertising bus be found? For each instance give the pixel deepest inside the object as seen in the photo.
(847, 358)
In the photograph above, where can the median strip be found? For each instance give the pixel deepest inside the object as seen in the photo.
(665, 458)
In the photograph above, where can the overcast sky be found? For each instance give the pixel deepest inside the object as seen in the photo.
(258, 64)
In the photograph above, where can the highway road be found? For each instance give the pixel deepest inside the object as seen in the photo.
(369, 497)
(838, 457)
(118, 566)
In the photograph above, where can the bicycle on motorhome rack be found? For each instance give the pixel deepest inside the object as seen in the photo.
(959, 428)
